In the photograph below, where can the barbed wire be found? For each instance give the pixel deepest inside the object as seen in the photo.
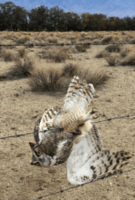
(68, 44)
(70, 188)
(109, 119)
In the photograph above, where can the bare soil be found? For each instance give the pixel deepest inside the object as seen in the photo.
(20, 108)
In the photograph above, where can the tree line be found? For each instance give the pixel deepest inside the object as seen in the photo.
(15, 18)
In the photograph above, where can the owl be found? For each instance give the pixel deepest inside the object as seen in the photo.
(70, 136)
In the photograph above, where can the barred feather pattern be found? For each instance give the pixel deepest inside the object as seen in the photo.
(88, 161)
(44, 123)
(77, 99)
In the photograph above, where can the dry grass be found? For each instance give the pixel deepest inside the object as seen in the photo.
(82, 48)
(95, 76)
(45, 79)
(22, 68)
(112, 59)
(21, 52)
(113, 48)
(129, 59)
(56, 55)
(69, 70)
(23, 39)
(101, 54)
(8, 56)
(124, 52)
(53, 79)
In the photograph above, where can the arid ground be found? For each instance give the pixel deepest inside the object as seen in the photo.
(20, 107)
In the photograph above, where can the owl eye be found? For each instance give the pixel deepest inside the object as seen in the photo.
(38, 153)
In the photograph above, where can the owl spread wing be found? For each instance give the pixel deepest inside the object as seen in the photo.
(77, 99)
(88, 162)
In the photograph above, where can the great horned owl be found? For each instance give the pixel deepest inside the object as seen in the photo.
(73, 138)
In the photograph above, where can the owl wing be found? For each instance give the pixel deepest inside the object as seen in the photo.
(79, 95)
(88, 162)
(44, 122)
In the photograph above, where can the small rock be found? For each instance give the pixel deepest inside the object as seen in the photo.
(16, 95)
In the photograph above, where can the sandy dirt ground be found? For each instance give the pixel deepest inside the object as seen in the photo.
(20, 108)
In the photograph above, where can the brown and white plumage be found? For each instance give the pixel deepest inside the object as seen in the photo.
(88, 161)
(77, 99)
(71, 137)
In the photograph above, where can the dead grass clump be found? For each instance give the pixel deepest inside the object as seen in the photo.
(111, 59)
(113, 48)
(69, 70)
(23, 39)
(124, 52)
(107, 39)
(22, 68)
(21, 52)
(95, 76)
(8, 56)
(55, 55)
(111, 38)
(101, 54)
(129, 59)
(82, 48)
(52, 40)
(45, 79)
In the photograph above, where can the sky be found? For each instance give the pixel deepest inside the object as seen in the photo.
(117, 8)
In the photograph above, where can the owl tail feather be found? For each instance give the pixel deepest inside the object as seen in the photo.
(109, 163)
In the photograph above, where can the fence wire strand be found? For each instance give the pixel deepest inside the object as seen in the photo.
(109, 119)
(70, 188)
(63, 44)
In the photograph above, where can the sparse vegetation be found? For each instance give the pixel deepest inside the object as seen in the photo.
(57, 79)
(22, 68)
(45, 79)
(8, 56)
(111, 59)
(21, 52)
(82, 48)
(113, 48)
(129, 59)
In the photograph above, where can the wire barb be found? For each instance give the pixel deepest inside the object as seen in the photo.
(109, 119)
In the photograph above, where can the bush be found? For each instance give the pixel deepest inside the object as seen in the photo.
(113, 48)
(45, 79)
(129, 59)
(69, 70)
(112, 60)
(22, 68)
(55, 55)
(82, 48)
(21, 52)
(8, 56)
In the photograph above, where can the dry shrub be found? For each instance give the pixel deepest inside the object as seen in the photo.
(129, 59)
(82, 48)
(21, 52)
(111, 38)
(111, 59)
(23, 39)
(95, 76)
(45, 79)
(8, 56)
(55, 55)
(22, 68)
(124, 52)
(69, 70)
(52, 40)
(101, 54)
(113, 48)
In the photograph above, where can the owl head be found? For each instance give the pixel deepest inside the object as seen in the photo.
(39, 158)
